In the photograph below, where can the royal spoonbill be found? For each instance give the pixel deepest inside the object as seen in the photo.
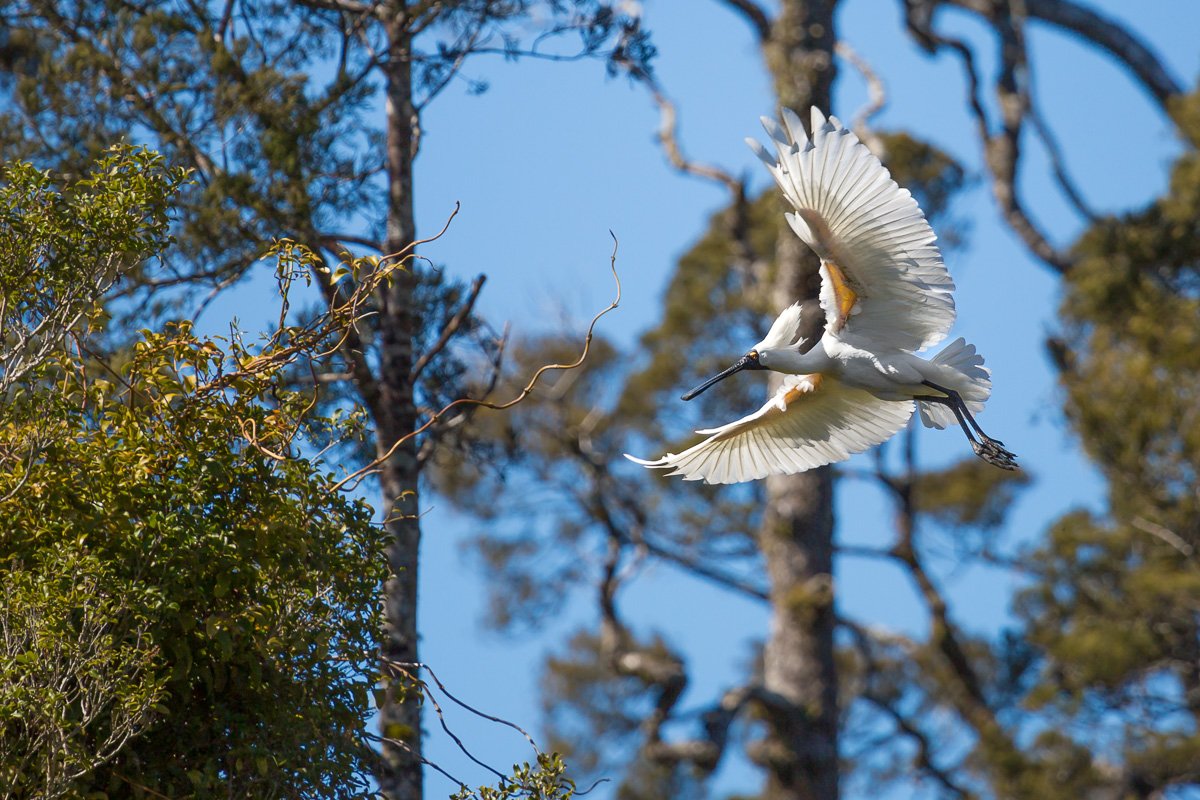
(886, 294)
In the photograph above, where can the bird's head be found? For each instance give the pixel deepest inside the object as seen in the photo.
(784, 336)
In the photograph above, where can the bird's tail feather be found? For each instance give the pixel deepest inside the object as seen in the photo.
(965, 375)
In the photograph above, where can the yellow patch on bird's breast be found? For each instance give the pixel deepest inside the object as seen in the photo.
(844, 295)
(809, 384)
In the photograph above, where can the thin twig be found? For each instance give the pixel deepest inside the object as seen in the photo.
(525, 392)
(592, 788)
(1001, 149)
(1165, 534)
(406, 665)
(862, 639)
(405, 746)
(437, 710)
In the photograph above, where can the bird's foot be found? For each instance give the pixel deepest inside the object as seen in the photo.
(993, 452)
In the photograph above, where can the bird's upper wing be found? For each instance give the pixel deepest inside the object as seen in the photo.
(812, 420)
(882, 276)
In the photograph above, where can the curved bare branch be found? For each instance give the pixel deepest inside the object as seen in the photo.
(1114, 39)
(1002, 148)
(668, 137)
(876, 96)
(754, 14)
(1094, 28)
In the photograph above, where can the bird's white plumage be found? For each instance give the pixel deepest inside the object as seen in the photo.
(809, 422)
(964, 359)
(851, 212)
(785, 330)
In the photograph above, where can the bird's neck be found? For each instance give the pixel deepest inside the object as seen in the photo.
(795, 362)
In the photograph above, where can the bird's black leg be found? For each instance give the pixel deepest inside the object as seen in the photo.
(958, 403)
(989, 449)
(946, 401)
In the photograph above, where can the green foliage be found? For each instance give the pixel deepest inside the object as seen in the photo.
(62, 246)
(194, 592)
(274, 105)
(79, 676)
(55, 235)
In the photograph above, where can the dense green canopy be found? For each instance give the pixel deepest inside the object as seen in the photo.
(190, 606)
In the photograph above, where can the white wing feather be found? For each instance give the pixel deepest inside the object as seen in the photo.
(851, 212)
(824, 422)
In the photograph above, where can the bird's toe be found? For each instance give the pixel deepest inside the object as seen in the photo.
(992, 452)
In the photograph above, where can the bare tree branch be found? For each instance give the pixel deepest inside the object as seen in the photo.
(223, 25)
(876, 97)
(662, 671)
(1001, 149)
(1100, 31)
(1059, 165)
(753, 13)
(331, 239)
(1163, 533)
(668, 137)
(706, 753)
(696, 567)
(965, 688)
(495, 367)
(1092, 27)
(353, 349)
(451, 327)
(346, 6)
(371, 466)
(737, 220)
(924, 757)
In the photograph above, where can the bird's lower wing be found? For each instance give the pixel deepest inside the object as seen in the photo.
(811, 421)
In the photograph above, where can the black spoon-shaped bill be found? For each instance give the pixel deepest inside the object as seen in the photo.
(748, 361)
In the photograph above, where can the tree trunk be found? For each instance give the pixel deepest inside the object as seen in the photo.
(800, 751)
(400, 717)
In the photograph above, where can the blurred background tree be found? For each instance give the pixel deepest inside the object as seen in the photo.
(960, 715)
(1111, 613)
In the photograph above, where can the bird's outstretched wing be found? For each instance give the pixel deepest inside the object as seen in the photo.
(882, 276)
(812, 420)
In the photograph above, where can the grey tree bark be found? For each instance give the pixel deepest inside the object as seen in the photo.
(800, 751)
(395, 416)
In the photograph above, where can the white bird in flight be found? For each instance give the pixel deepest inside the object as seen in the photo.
(886, 294)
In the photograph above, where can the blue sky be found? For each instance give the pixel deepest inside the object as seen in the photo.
(553, 156)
